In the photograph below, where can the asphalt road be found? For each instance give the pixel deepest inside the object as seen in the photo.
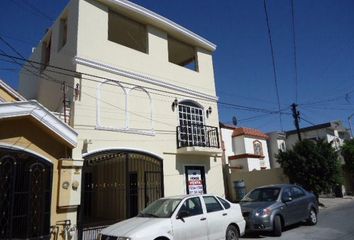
(335, 223)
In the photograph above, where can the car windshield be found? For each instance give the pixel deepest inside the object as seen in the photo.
(162, 208)
(262, 195)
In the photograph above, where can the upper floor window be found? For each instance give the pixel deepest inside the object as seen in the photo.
(182, 54)
(190, 113)
(257, 146)
(127, 32)
(46, 47)
(63, 32)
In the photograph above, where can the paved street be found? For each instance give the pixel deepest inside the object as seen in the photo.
(335, 222)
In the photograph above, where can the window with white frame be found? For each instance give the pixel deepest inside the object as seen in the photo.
(191, 120)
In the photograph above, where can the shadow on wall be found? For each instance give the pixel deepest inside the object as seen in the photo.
(255, 179)
(187, 160)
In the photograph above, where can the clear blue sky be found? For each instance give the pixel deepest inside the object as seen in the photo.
(243, 67)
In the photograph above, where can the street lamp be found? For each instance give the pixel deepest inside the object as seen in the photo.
(350, 125)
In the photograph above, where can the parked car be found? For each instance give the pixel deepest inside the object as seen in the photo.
(270, 208)
(196, 217)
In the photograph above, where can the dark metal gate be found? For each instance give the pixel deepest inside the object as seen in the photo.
(116, 186)
(25, 195)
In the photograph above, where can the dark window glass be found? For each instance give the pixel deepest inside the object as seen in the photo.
(224, 203)
(286, 194)
(192, 206)
(212, 205)
(262, 195)
(297, 192)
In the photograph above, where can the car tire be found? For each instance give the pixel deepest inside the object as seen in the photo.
(312, 218)
(231, 233)
(277, 227)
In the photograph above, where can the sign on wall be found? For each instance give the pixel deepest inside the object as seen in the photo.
(195, 180)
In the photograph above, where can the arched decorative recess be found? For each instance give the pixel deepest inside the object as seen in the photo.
(140, 110)
(111, 106)
(257, 147)
(25, 202)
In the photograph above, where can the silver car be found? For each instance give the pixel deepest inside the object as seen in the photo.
(270, 208)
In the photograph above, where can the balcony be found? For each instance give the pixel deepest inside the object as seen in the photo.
(198, 139)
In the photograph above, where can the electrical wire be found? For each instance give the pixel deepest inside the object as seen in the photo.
(85, 76)
(273, 62)
(294, 50)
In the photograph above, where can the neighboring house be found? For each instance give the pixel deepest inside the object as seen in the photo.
(332, 132)
(276, 142)
(35, 161)
(244, 148)
(141, 94)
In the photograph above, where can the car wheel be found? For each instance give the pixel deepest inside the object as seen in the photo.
(277, 228)
(231, 233)
(312, 219)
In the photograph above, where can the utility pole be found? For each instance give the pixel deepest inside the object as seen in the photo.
(296, 116)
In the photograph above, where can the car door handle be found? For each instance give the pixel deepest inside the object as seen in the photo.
(224, 214)
(203, 219)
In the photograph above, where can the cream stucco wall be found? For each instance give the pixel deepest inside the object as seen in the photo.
(110, 113)
(256, 179)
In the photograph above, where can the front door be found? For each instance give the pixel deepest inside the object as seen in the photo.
(195, 180)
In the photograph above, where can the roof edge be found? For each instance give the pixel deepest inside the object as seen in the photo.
(12, 91)
(43, 115)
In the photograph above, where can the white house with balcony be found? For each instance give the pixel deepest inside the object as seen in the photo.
(140, 91)
(244, 149)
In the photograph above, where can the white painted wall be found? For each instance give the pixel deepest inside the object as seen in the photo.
(226, 136)
(239, 145)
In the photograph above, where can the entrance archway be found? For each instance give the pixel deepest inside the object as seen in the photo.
(25, 195)
(116, 185)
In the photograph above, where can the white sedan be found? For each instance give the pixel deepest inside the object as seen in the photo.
(197, 217)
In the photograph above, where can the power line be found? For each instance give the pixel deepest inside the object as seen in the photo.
(294, 49)
(273, 62)
(72, 73)
(34, 9)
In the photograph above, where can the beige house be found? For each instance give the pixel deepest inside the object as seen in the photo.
(140, 91)
(35, 160)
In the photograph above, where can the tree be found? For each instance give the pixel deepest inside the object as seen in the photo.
(348, 155)
(313, 165)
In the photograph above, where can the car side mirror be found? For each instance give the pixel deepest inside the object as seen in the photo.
(183, 214)
(287, 199)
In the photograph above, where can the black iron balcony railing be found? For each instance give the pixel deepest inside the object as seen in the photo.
(197, 136)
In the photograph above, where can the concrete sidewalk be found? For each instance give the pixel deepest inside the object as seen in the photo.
(334, 202)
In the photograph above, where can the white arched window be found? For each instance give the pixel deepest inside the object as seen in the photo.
(139, 110)
(111, 105)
